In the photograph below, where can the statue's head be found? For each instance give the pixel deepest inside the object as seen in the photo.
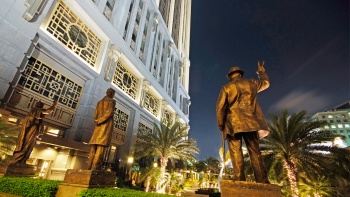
(39, 104)
(110, 92)
(234, 70)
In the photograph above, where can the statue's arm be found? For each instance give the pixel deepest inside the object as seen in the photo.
(263, 82)
(108, 113)
(50, 109)
(221, 109)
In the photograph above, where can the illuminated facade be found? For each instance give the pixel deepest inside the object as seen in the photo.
(339, 121)
(73, 51)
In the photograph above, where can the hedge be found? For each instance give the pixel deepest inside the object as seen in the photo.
(28, 187)
(116, 192)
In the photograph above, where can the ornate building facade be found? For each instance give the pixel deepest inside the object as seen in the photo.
(73, 51)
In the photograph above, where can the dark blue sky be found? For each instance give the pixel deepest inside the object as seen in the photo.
(305, 45)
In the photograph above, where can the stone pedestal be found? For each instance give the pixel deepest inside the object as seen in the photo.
(77, 180)
(248, 189)
(7, 169)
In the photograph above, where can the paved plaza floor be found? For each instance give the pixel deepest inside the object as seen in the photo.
(190, 192)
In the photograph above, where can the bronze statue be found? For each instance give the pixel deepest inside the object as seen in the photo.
(240, 116)
(104, 125)
(31, 129)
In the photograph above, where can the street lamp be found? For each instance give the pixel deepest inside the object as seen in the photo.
(155, 164)
(130, 160)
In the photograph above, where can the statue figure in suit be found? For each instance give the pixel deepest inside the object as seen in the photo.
(104, 125)
(240, 116)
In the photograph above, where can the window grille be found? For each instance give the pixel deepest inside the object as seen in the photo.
(42, 79)
(126, 80)
(71, 31)
(151, 103)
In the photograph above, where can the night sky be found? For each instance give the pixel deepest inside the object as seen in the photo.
(305, 45)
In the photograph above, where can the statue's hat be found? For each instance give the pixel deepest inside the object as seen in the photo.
(233, 70)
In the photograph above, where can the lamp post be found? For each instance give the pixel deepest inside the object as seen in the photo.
(129, 164)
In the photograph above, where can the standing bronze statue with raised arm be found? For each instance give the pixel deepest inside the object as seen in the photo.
(31, 129)
(240, 116)
(104, 125)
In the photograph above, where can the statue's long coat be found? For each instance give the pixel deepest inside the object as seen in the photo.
(104, 116)
(237, 108)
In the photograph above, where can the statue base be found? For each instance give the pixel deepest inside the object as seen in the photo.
(77, 180)
(16, 170)
(248, 189)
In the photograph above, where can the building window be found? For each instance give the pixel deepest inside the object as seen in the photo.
(71, 31)
(176, 21)
(43, 80)
(170, 76)
(348, 131)
(136, 26)
(168, 117)
(164, 8)
(143, 129)
(121, 120)
(331, 121)
(341, 131)
(109, 8)
(338, 121)
(151, 103)
(128, 19)
(162, 55)
(154, 67)
(340, 126)
(144, 35)
(323, 116)
(330, 116)
(347, 125)
(125, 80)
(333, 126)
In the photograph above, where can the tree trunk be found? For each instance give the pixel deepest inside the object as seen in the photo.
(292, 177)
(148, 183)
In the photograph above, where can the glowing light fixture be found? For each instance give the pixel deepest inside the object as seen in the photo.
(130, 159)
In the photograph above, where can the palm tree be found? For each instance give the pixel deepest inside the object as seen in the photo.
(313, 185)
(212, 164)
(166, 142)
(151, 176)
(173, 180)
(296, 145)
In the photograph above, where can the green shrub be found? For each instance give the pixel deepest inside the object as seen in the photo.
(116, 192)
(28, 187)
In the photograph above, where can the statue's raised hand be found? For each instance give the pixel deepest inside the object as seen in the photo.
(261, 68)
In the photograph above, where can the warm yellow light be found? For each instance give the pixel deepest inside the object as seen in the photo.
(113, 148)
(155, 164)
(13, 120)
(130, 159)
(54, 131)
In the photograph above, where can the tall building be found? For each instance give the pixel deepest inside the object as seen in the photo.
(339, 121)
(73, 51)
